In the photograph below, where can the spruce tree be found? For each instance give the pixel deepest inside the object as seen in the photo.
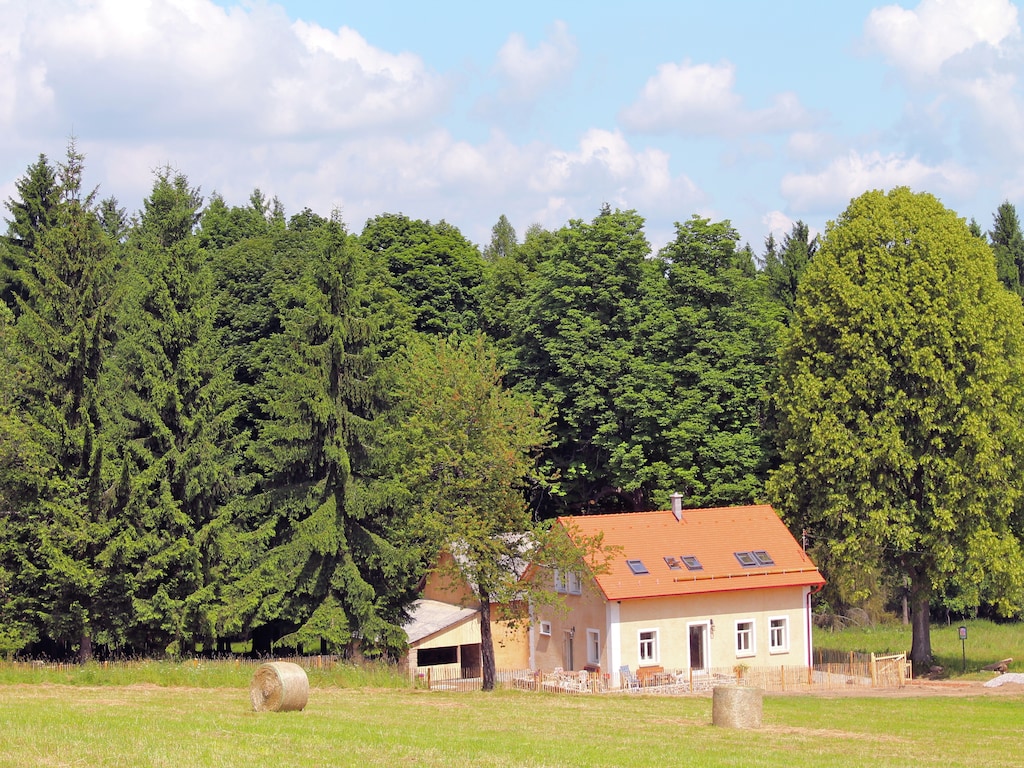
(175, 423)
(317, 556)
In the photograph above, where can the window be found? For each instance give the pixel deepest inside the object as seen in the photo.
(545, 628)
(745, 638)
(637, 566)
(762, 557)
(746, 559)
(754, 559)
(673, 564)
(567, 582)
(430, 657)
(593, 646)
(692, 563)
(778, 635)
(648, 646)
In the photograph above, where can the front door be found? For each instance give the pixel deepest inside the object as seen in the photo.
(699, 647)
(567, 659)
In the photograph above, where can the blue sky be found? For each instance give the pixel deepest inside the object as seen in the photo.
(760, 113)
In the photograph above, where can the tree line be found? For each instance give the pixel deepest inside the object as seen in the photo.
(221, 422)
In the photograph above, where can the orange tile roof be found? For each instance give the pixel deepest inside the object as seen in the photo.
(713, 536)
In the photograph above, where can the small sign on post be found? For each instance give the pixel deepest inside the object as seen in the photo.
(963, 648)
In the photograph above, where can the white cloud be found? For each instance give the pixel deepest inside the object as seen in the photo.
(853, 174)
(700, 100)
(605, 164)
(527, 71)
(920, 41)
(524, 75)
(192, 68)
(778, 224)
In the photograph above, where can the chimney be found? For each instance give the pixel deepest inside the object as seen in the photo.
(677, 506)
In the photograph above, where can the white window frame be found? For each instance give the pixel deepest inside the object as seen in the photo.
(746, 639)
(559, 581)
(783, 630)
(545, 628)
(573, 585)
(593, 646)
(650, 644)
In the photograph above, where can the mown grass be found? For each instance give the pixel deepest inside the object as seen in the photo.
(197, 713)
(987, 642)
(195, 673)
(147, 725)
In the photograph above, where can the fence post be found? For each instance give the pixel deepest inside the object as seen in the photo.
(428, 678)
(782, 676)
(874, 671)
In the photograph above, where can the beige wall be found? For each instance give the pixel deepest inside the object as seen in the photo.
(671, 618)
(573, 615)
(443, 585)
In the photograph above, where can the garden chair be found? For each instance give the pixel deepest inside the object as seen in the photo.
(630, 682)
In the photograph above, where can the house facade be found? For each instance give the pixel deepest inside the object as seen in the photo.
(682, 592)
(444, 630)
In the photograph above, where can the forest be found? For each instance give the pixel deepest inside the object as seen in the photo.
(224, 422)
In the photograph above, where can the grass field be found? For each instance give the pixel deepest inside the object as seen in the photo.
(986, 643)
(198, 714)
(148, 725)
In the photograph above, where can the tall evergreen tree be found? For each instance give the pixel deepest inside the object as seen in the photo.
(59, 282)
(783, 266)
(318, 558)
(1008, 246)
(175, 424)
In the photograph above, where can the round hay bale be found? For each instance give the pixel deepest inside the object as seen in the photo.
(736, 706)
(279, 686)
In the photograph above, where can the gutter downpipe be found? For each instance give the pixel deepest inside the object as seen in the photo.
(810, 651)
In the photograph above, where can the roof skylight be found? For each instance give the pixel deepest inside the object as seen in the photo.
(637, 567)
(747, 559)
(692, 563)
(762, 557)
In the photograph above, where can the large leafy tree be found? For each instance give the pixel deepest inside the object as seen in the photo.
(462, 450)
(435, 269)
(574, 346)
(698, 389)
(899, 401)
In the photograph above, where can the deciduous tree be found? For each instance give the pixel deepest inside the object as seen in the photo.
(900, 401)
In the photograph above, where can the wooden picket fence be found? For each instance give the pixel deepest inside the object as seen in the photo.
(852, 671)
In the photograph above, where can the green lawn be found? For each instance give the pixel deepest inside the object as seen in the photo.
(986, 643)
(198, 714)
(148, 725)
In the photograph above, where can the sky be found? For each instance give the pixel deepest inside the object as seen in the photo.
(759, 113)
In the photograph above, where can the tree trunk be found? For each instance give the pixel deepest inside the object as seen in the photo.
(486, 643)
(85, 649)
(921, 645)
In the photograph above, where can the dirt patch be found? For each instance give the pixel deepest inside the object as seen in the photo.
(916, 688)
